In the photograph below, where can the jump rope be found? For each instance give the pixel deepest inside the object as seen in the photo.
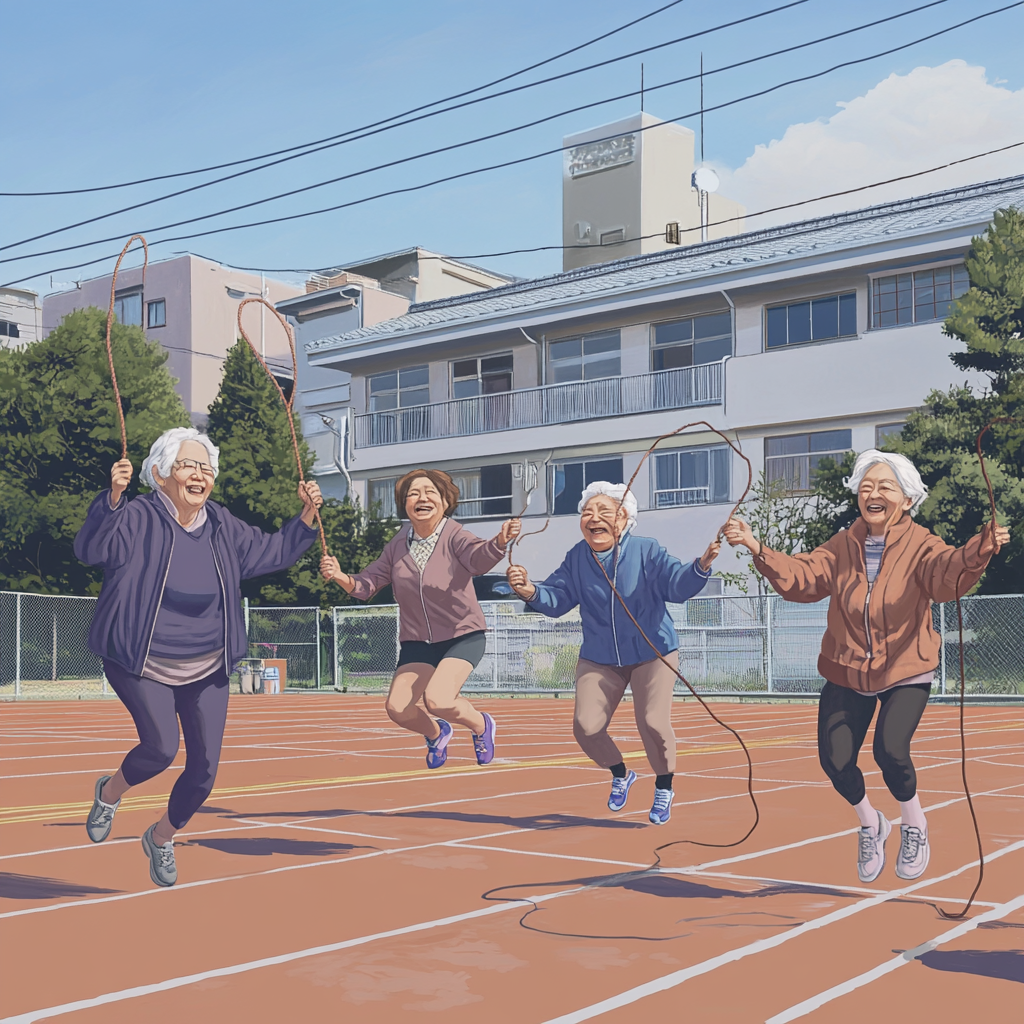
(288, 403)
(615, 879)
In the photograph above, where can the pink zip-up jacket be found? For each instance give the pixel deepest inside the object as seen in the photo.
(441, 603)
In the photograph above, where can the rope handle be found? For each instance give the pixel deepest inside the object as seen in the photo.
(110, 320)
(287, 402)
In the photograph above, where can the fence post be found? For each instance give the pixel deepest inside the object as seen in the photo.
(770, 672)
(942, 648)
(398, 630)
(17, 645)
(53, 649)
(245, 606)
(334, 649)
(317, 613)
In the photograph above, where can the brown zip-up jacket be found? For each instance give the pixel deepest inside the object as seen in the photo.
(881, 634)
(441, 604)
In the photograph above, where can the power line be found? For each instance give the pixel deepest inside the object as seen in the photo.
(546, 248)
(480, 170)
(367, 134)
(374, 124)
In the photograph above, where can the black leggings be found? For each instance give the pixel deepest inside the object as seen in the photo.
(843, 719)
(202, 707)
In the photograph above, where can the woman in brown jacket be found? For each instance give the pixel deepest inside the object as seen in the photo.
(879, 648)
(442, 630)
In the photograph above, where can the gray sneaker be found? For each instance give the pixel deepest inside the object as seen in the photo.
(101, 817)
(914, 853)
(871, 849)
(162, 868)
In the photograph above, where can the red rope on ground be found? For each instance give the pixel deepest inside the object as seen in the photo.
(288, 402)
(110, 320)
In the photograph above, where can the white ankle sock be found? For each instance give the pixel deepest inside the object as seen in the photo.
(912, 814)
(867, 815)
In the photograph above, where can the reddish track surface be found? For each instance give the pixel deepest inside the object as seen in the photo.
(331, 877)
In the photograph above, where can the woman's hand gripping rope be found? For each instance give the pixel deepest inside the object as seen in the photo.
(308, 492)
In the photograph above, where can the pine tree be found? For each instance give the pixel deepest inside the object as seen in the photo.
(60, 435)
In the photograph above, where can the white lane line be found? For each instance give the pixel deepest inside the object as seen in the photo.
(812, 1004)
(313, 828)
(670, 981)
(273, 961)
(466, 844)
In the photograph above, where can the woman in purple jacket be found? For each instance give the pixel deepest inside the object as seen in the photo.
(168, 622)
(442, 631)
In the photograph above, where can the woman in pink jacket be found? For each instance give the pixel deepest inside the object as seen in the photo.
(430, 567)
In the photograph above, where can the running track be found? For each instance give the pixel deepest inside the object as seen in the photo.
(331, 877)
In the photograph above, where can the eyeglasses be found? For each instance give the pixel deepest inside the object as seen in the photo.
(190, 464)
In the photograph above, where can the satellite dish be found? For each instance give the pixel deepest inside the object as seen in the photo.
(705, 179)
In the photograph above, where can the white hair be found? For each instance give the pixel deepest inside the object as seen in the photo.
(165, 450)
(903, 469)
(616, 491)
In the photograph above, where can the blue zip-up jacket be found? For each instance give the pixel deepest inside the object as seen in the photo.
(647, 577)
(133, 543)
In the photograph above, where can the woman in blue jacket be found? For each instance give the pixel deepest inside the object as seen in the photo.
(168, 622)
(614, 655)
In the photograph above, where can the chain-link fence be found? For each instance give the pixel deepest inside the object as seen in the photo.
(726, 645)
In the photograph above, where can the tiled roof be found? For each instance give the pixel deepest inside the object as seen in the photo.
(904, 219)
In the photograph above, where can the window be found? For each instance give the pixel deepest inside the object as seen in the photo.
(915, 298)
(399, 389)
(834, 316)
(572, 478)
(690, 342)
(885, 431)
(382, 495)
(128, 308)
(793, 459)
(9, 329)
(485, 376)
(156, 313)
(484, 492)
(587, 358)
(691, 476)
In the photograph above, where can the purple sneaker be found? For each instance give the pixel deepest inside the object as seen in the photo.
(437, 750)
(484, 743)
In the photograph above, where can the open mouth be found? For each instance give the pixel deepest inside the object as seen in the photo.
(876, 508)
(196, 490)
(423, 509)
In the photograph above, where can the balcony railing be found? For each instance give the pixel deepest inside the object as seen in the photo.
(537, 407)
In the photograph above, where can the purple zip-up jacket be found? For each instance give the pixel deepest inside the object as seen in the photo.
(441, 604)
(133, 543)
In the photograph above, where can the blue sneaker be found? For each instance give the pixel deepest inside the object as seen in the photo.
(484, 743)
(620, 790)
(661, 810)
(437, 750)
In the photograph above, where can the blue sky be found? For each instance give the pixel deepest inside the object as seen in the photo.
(100, 93)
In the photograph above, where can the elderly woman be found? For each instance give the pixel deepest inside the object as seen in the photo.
(614, 654)
(168, 623)
(442, 629)
(879, 648)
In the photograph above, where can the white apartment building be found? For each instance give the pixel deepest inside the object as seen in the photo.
(797, 341)
(21, 317)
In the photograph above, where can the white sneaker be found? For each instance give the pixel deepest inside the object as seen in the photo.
(871, 849)
(914, 852)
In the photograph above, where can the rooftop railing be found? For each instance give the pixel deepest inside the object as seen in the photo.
(536, 407)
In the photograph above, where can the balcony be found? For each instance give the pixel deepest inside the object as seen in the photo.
(544, 406)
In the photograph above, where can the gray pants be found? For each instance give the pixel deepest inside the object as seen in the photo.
(155, 708)
(599, 689)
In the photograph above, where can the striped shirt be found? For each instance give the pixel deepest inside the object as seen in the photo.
(873, 547)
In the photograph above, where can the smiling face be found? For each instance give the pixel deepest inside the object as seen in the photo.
(424, 506)
(188, 487)
(602, 522)
(881, 499)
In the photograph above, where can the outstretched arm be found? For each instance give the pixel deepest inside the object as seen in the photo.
(805, 577)
(946, 572)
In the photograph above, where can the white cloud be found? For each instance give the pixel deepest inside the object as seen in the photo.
(904, 124)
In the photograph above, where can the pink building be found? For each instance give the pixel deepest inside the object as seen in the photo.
(189, 305)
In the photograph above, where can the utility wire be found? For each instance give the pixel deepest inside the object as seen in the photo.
(367, 134)
(545, 248)
(374, 124)
(480, 170)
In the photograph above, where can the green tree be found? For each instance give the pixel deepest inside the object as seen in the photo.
(940, 438)
(59, 436)
(258, 482)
